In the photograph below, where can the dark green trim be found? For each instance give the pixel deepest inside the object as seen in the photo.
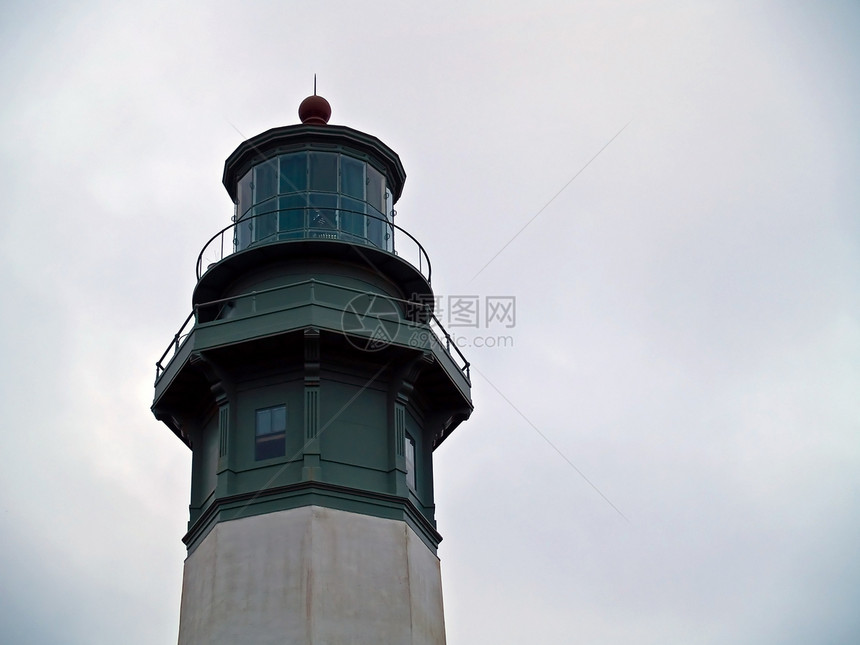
(314, 493)
(312, 137)
(399, 428)
(312, 411)
(223, 429)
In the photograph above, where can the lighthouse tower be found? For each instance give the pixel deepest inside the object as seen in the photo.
(312, 383)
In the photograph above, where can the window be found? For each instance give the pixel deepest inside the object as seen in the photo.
(352, 177)
(293, 177)
(352, 198)
(271, 432)
(313, 194)
(323, 171)
(244, 196)
(409, 453)
(265, 181)
(323, 210)
(291, 215)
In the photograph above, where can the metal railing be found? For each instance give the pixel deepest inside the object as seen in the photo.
(317, 224)
(173, 348)
(429, 331)
(440, 332)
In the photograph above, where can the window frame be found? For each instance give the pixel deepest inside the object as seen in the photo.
(327, 204)
(271, 444)
(409, 461)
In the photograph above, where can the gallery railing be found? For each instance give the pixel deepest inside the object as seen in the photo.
(309, 223)
(426, 329)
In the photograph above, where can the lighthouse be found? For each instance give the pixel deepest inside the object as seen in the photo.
(312, 382)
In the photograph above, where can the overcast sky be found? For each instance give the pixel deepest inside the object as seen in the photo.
(687, 335)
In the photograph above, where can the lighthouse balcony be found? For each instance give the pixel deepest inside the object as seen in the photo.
(352, 226)
(213, 324)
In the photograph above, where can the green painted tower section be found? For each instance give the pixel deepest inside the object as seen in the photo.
(311, 371)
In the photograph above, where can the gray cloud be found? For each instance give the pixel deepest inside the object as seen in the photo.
(688, 331)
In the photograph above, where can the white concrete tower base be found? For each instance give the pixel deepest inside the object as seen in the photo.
(312, 575)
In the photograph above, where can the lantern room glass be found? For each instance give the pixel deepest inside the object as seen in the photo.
(314, 194)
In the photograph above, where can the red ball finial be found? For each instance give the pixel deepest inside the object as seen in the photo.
(315, 110)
